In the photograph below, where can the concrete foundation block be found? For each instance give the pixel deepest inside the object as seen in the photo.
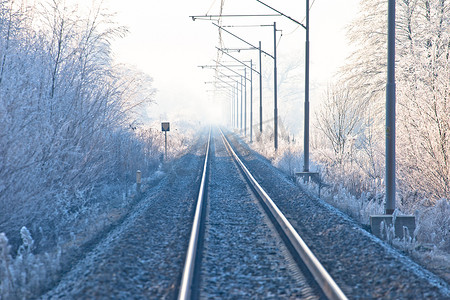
(400, 222)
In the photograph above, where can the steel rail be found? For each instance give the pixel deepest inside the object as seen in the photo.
(189, 265)
(323, 279)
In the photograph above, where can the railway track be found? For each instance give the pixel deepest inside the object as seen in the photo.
(239, 251)
(241, 244)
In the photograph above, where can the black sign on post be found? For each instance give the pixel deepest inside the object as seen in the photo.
(165, 126)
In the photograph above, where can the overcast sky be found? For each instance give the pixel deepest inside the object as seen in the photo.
(166, 44)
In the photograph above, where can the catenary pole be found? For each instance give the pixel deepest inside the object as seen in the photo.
(251, 101)
(237, 96)
(245, 102)
(242, 96)
(210, 17)
(251, 82)
(232, 107)
(275, 74)
(260, 90)
(236, 106)
(275, 104)
(306, 120)
(390, 112)
(231, 95)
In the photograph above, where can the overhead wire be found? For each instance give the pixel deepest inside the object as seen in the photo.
(221, 45)
(309, 9)
(303, 20)
(279, 39)
(212, 4)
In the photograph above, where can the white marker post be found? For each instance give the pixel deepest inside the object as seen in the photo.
(138, 182)
(165, 126)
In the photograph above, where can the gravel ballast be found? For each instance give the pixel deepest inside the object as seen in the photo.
(361, 264)
(142, 258)
(243, 257)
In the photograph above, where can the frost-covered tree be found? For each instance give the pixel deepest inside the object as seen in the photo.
(423, 80)
(352, 113)
(340, 120)
(64, 107)
(424, 97)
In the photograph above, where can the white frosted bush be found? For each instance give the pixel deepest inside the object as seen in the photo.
(6, 280)
(434, 224)
(26, 275)
(27, 242)
(359, 195)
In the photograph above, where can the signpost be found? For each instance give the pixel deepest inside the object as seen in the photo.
(165, 126)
